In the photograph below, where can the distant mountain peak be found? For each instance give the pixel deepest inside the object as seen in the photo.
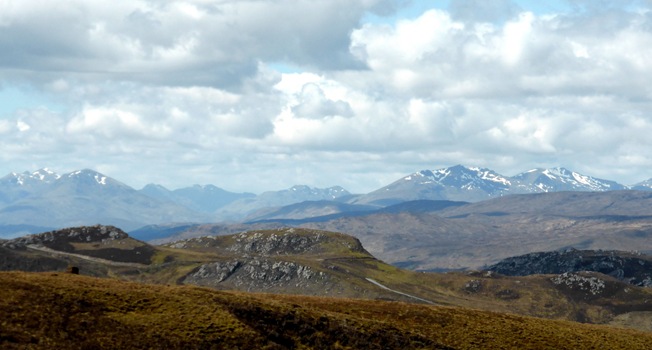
(563, 179)
(459, 175)
(155, 187)
(332, 192)
(42, 175)
(45, 174)
(99, 178)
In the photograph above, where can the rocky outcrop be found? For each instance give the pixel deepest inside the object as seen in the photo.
(588, 284)
(99, 241)
(285, 241)
(61, 239)
(632, 268)
(257, 274)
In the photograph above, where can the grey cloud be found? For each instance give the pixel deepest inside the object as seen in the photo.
(314, 104)
(176, 43)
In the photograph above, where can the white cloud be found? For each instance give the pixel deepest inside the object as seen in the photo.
(22, 126)
(184, 90)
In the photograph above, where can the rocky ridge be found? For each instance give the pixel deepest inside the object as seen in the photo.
(629, 267)
(82, 234)
(99, 241)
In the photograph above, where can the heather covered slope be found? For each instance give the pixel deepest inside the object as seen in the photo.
(54, 310)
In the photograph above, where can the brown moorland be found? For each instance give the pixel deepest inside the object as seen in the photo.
(58, 310)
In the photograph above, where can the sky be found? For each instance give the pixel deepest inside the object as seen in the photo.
(257, 95)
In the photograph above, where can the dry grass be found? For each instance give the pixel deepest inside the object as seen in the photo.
(47, 311)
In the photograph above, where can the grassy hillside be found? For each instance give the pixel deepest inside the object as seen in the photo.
(55, 310)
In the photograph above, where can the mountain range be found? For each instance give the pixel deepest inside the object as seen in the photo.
(32, 202)
(472, 184)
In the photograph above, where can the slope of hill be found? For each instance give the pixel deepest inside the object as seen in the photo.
(45, 311)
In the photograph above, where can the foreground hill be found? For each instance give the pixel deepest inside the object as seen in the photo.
(49, 310)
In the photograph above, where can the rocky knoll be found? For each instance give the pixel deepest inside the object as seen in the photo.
(270, 260)
(629, 267)
(99, 241)
(285, 241)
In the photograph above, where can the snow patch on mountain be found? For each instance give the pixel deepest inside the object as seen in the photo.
(22, 179)
(562, 179)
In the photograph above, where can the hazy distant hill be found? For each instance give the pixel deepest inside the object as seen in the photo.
(85, 197)
(271, 200)
(206, 199)
(309, 209)
(307, 212)
(42, 200)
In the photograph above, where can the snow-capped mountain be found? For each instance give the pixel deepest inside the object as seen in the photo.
(458, 183)
(469, 178)
(84, 197)
(472, 184)
(15, 186)
(46, 199)
(643, 186)
(26, 178)
(562, 179)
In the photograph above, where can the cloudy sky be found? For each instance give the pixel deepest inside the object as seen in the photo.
(255, 95)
